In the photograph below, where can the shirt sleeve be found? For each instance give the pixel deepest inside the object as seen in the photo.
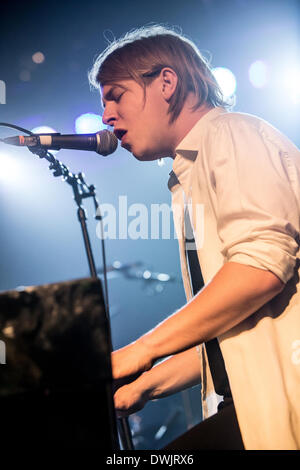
(258, 218)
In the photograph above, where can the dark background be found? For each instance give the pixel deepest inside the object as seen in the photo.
(40, 238)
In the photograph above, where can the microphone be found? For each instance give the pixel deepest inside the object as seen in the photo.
(103, 142)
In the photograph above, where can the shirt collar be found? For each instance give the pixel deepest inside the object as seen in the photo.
(187, 149)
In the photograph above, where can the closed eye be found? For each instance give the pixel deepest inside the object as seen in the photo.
(117, 98)
(112, 95)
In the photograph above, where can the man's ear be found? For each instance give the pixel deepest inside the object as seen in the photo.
(169, 82)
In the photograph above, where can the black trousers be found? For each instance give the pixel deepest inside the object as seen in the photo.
(219, 432)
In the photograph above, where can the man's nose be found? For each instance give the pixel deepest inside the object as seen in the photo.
(109, 116)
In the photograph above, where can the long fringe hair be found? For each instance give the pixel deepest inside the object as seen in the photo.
(141, 54)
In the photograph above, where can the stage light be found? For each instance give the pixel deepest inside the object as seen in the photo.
(11, 170)
(88, 123)
(43, 130)
(258, 74)
(38, 58)
(291, 83)
(226, 81)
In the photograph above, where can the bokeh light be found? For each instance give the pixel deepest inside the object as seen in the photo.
(258, 74)
(38, 58)
(226, 81)
(43, 130)
(88, 123)
(291, 83)
(11, 170)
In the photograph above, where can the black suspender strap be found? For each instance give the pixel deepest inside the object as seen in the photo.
(213, 351)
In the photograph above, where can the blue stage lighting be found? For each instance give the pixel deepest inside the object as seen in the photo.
(11, 169)
(291, 83)
(258, 74)
(43, 130)
(88, 123)
(226, 81)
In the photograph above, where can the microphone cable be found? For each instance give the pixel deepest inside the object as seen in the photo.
(18, 128)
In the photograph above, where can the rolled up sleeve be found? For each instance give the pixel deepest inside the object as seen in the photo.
(257, 214)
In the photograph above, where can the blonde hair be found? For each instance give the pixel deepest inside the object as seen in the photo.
(141, 54)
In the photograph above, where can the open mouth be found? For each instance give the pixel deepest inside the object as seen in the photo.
(119, 133)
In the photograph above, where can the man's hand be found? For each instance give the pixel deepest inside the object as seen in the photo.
(129, 399)
(131, 361)
(166, 378)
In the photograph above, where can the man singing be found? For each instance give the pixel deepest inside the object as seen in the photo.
(239, 332)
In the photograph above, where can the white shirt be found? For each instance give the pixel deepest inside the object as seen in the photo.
(240, 179)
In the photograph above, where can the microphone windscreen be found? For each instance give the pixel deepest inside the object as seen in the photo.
(108, 142)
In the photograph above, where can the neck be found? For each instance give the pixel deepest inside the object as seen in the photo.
(186, 121)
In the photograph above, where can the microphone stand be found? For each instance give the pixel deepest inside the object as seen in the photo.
(82, 191)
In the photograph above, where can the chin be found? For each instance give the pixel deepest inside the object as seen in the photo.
(145, 156)
(145, 159)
